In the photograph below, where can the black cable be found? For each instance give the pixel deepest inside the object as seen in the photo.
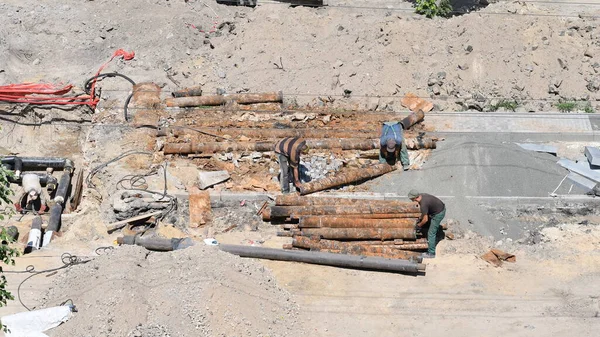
(88, 179)
(87, 87)
(67, 259)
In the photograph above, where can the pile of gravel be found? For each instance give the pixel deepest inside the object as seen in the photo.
(199, 291)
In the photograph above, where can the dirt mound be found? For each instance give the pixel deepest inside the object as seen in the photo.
(199, 291)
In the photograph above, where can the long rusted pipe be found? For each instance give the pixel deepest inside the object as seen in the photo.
(266, 215)
(412, 119)
(346, 177)
(360, 233)
(297, 200)
(270, 133)
(337, 260)
(342, 143)
(352, 248)
(298, 211)
(405, 246)
(222, 99)
(349, 222)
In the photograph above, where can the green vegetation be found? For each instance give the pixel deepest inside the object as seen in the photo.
(7, 253)
(570, 106)
(508, 105)
(567, 106)
(432, 8)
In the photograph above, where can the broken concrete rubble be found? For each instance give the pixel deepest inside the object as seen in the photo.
(207, 179)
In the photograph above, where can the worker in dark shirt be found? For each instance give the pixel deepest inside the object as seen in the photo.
(289, 150)
(392, 147)
(433, 211)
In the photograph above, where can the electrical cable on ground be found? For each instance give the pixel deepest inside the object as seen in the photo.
(67, 259)
(89, 84)
(88, 179)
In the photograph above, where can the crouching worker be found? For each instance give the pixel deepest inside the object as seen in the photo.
(392, 145)
(433, 212)
(289, 150)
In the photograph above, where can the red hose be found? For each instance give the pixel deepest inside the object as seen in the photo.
(48, 93)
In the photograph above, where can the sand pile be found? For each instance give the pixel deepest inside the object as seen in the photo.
(199, 291)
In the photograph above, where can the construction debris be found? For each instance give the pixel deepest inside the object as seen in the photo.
(120, 224)
(192, 91)
(593, 155)
(199, 206)
(207, 179)
(496, 257)
(415, 103)
(539, 148)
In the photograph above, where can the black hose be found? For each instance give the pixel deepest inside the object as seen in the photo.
(88, 87)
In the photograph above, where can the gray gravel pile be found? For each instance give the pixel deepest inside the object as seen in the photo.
(199, 291)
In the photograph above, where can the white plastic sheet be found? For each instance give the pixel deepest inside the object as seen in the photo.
(34, 323)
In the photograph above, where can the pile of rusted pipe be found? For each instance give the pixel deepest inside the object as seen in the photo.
(383, 228)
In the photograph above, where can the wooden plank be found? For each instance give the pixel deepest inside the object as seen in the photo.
(120, 224)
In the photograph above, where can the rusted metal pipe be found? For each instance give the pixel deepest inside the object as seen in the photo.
(346, 177)
(360, 233)
(350, 222)
(270, 133)
(295, 212)
(187, 92)
(268, 97)
(342, 144)
(405, 246)
(297, 200)
(353, 248)
(328, 259)
(412, 119)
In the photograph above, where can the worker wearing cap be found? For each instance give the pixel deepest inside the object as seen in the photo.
(289, 150)
(433, 211)
(392, 145)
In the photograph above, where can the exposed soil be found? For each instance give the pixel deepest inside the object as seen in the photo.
(345, 68)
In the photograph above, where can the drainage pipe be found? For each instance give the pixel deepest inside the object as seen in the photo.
(36, 163)
(35, 235)
(54, 223)
(327, 259)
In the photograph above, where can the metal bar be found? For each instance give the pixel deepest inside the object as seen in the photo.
(329, 259)
(346, 177)
(360, 233)
(351, 222)
(193, 101)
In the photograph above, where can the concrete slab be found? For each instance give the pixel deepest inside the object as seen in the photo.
(580, 168)
(539, 148)
(593, 155)
(581, 181)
